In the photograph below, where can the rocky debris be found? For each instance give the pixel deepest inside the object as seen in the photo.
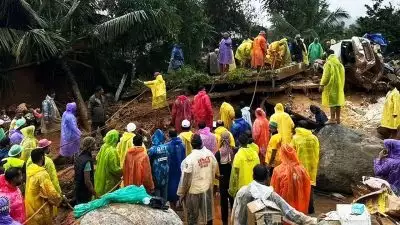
(345, 157)
(66, 179)
(127, 214)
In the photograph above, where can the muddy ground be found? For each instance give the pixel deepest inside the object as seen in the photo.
(140, 111)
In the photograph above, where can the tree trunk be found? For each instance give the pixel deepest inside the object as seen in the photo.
(82, 109)
(120, 87)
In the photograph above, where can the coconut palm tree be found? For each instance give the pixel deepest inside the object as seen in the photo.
(36, 31)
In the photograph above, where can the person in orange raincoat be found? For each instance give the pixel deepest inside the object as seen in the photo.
(259, 51)
(181, 110)
(261, 133)
(291, 180)
(202, 108)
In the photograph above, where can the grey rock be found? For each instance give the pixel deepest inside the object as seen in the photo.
(345, 157)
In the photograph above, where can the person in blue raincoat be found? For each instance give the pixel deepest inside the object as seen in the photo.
(159, 160)
(177, 154)
(70, 133)
(177, 58)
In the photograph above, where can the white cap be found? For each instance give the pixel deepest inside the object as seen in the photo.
(131, 127)
(1, 122)
(186, 123)
(214, 124)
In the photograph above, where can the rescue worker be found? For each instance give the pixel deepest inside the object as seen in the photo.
(158, 90)
(29, 142)
(181, 110)
(97, 111)
(196, 186)
(258, 189)
(259, 51)
(208, 139)
(278, 54)
(5, 218)
(391, 113)
(290, 180)
(202, 108)
(240, 126)
(332, 86)
(261, 133)
(108, 169)
(315, 51)
(227, 114)
(137, 168)
(242, 168)
(273, 158)
(213, 62)
(219, 130)
(40, 191)
(285, 123)
(225, 53)
(320, 116)
(126, 142)
(13, 159)
(70, 133)
(9, 187)
(246, 113)
(186, 136)
(306, 145)
(243, 52)
(387, 165)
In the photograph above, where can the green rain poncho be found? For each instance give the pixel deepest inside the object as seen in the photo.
(315, 51)
(28, 143)
(333, 81)
(108, 170)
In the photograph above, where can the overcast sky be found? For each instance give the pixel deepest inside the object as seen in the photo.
(355, 8)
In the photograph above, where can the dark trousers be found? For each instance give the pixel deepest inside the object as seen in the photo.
(311, 209)
(100, 125)
(226, 199)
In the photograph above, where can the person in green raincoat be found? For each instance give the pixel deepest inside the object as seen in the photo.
(332, 86)
(315, 51)
(108, 171)
(243, 52)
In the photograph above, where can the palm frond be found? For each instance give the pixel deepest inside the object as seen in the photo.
(38, 45)
(67, 18)
(282, 26)
(32, 13)
(8, 38)
(336, 16)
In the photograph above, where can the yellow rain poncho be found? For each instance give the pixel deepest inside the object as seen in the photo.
(40, 189)
(186, 138)
(12, 162)
(232, 66)
(242, 169)
(278, 54)
(227, 114)
(307, 148)
(218, 133)
(285, 123)
(51, 170)
(28, 143)
(391, 110)
(275, 142)
(125, 143)
(243, 52)
(159, 92)
(333, 80)
(108, 171)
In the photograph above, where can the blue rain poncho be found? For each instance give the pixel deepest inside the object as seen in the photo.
(70, 133)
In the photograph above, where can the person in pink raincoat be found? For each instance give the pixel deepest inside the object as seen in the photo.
(181, 110)
(209, 139)
(9, 183)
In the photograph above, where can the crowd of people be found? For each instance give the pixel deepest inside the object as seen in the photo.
(242, 155)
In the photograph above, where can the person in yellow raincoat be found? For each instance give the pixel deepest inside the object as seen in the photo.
(40, 191)
(242, 167)
(278, 54)
(126, 142)
(108, 171)
(285, 123)
(219, 130)
(272, 156)
(243, 52)
(332, 84)
(227, 114)
(307, 148)
(186, 136)
(29, 142)
(13, 159)
(391, 112)
(158, 90)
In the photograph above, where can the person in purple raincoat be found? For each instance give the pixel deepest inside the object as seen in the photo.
(70, 133)
(387, 166)
(5, 218)
(225, 53)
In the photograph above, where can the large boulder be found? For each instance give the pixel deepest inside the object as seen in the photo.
(345, 157)
(128, 214)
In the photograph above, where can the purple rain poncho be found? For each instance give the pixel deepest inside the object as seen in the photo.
(70, 133)
(389, 168)
(225, 51)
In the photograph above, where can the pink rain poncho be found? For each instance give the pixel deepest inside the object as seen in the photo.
(17, 206)
(70, 133)
(209, 139)
(181, 110)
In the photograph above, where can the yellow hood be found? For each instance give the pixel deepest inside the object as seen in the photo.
(28, 132)
(303, 131)
(279, 108)
(220, 130)
(187, 135)
(127, 136)
(33, 169)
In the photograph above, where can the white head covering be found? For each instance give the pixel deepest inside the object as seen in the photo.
(1, 122)
(131, 127)
(186, 123)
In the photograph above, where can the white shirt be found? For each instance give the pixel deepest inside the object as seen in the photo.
(202, 165)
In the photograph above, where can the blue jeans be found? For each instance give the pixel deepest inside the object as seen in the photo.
(161, 192)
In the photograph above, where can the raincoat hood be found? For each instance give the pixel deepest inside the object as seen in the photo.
(158, 137)
(33, 169)
(28, 132)
(182, 98)
(303, 131)
(71, 107)
(393, 147)
(176, 141)
(111, 138)
(289, 155)
(205, 131)
(334, 59)
(159, 78)
(201, 93)
(126, 136)
(260, 113)
(279, 108)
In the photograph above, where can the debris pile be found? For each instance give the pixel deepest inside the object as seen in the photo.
(364, 116)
